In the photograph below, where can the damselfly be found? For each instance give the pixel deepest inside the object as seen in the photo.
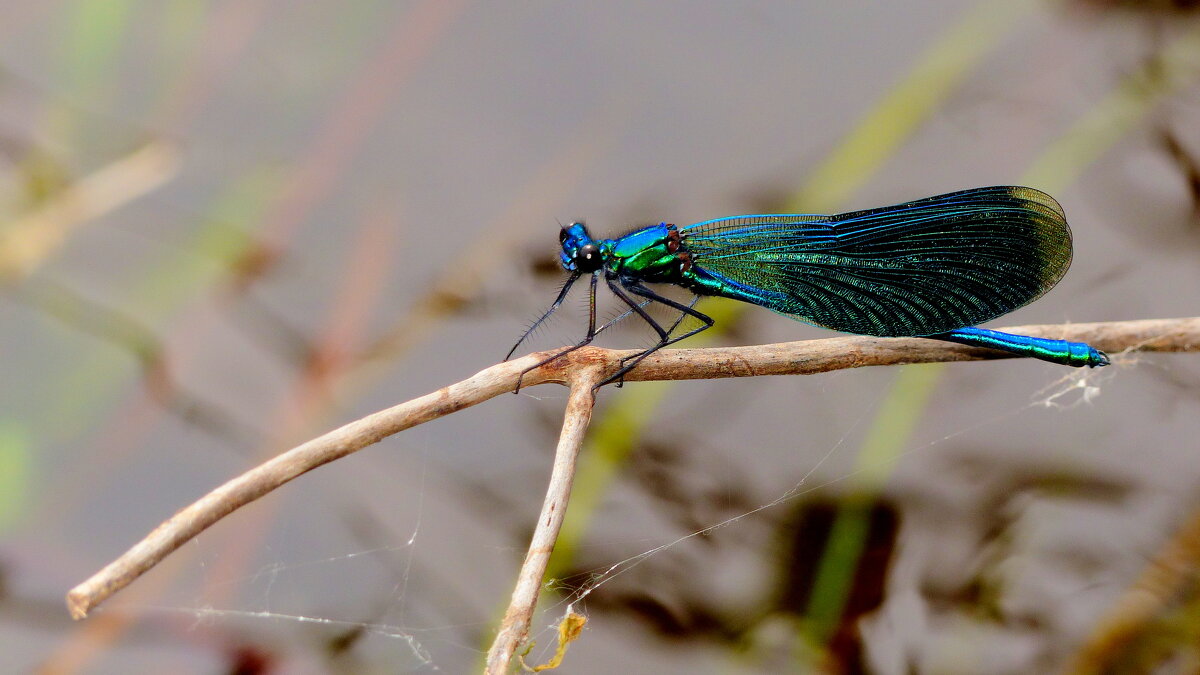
(930, 268)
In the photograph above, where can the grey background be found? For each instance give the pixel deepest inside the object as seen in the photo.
(496, 122)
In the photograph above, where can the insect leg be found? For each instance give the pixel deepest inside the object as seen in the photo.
(684, 311)
(682, 315)
(665, 339)
(620, 293)
(562, 294)
(591, 331)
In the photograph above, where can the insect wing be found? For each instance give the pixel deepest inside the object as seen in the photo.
(917, 268)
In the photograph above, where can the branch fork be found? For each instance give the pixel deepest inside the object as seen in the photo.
(582, 370)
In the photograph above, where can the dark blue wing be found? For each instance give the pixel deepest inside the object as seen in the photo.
(917, 268)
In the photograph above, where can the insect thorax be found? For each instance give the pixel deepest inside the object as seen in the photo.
(654, 254)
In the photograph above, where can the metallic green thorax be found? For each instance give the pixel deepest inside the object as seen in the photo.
(651, 254)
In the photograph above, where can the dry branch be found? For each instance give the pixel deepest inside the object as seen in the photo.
(581, 369)
(515, 626)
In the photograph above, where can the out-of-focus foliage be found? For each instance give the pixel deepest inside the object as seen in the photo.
(228, 225)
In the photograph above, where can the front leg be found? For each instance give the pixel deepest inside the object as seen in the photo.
(591, 331)
(562, 294)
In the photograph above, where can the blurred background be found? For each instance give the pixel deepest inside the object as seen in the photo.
(229, 225)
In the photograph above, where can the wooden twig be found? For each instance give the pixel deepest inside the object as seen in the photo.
(515, 626)
(814, 356)
(282, 468)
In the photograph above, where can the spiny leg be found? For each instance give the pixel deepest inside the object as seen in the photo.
(663, 335)
(591, 331)
(643, 304)
(665, 339)
(599, 329)
(682, 315)
(562, 295)
(684, 312)
(620, 293)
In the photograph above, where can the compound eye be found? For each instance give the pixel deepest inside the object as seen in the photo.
(562, 235)
(588, 258)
